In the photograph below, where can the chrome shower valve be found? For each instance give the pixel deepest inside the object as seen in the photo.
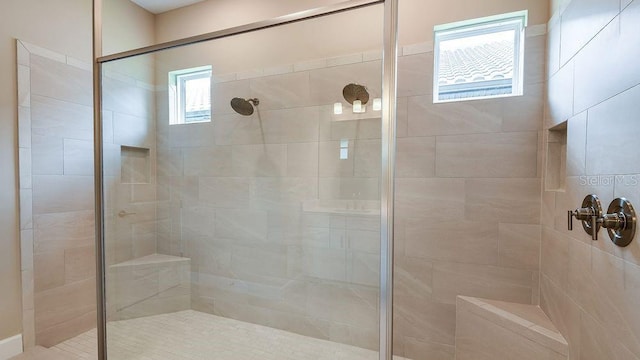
(620, 219)
(620, 222)
(589, 214)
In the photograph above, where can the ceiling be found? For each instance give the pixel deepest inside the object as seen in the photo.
(160, 6)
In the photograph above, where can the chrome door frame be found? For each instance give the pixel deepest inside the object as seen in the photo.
(388, 154)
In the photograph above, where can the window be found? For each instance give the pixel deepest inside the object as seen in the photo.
(190, 95)
(479, 59)
(344, 149)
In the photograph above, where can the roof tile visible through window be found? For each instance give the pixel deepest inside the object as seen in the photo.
(479, 63)
(189, 93)
(488, 61)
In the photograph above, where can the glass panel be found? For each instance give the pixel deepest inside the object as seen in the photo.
(255, 234)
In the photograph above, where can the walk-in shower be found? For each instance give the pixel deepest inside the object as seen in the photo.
(279, 222)
(268, 228)
(246, 228)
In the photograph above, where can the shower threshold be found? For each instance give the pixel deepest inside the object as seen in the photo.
(195, 335)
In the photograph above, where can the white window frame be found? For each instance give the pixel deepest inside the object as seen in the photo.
(177, 97)
(516, 21)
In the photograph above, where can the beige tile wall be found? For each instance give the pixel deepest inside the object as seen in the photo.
(57, 201)
(56, 196)
(467, 202)
(149, 285)
(130, 161)
(491, 330)
(467, 216)
(235, 205)
(590, 288)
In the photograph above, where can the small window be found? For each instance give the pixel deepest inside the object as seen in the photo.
(190, 95)
(479, 59)
(344, 149)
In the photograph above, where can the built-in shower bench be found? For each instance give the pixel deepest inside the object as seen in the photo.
(149, 285)
(490, 330)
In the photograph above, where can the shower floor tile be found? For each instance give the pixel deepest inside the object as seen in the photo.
(194, 335)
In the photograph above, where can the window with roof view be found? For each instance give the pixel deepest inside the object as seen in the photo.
(479, 59)
(190, 95)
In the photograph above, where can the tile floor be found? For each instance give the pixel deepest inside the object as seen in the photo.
(194, 335)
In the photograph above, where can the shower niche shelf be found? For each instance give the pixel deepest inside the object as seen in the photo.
(135, 165)
(556, 163)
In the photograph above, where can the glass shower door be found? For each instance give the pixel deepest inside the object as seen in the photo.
(242, 191)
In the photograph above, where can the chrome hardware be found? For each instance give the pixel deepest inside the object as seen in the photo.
(589, 214)
(123, 213)
(620, 222)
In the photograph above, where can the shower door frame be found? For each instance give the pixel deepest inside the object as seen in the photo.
(388, 139)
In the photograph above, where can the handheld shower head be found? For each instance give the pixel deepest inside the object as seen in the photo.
(244, 106)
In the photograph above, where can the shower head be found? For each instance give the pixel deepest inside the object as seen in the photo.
(244, 106)
(353, 92)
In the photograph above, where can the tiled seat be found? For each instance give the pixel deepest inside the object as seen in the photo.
(150, 285)
(490, 329)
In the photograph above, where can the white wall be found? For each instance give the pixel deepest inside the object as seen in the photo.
(125, 26)
(215, 15)
(58, 24)
(418, 17)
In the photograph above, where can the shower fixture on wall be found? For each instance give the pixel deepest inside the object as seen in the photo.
(588, 214)
(620, 219)
(244, 106)
(620, 222)
(358, 96)
(355, 92)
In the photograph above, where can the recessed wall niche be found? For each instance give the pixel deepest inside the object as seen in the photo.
(556, 165)
(135, 165)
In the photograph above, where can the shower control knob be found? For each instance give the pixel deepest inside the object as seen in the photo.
(620, 222)
(589, 214)
(584, 215)
(615, 221)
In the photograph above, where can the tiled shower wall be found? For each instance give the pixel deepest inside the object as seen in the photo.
(590, 289)
(130, 159)
(280, 231)
(467, 211)
(56, 196)
(56, 188)
(129, 143)
(237, 206)
(467, 201)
